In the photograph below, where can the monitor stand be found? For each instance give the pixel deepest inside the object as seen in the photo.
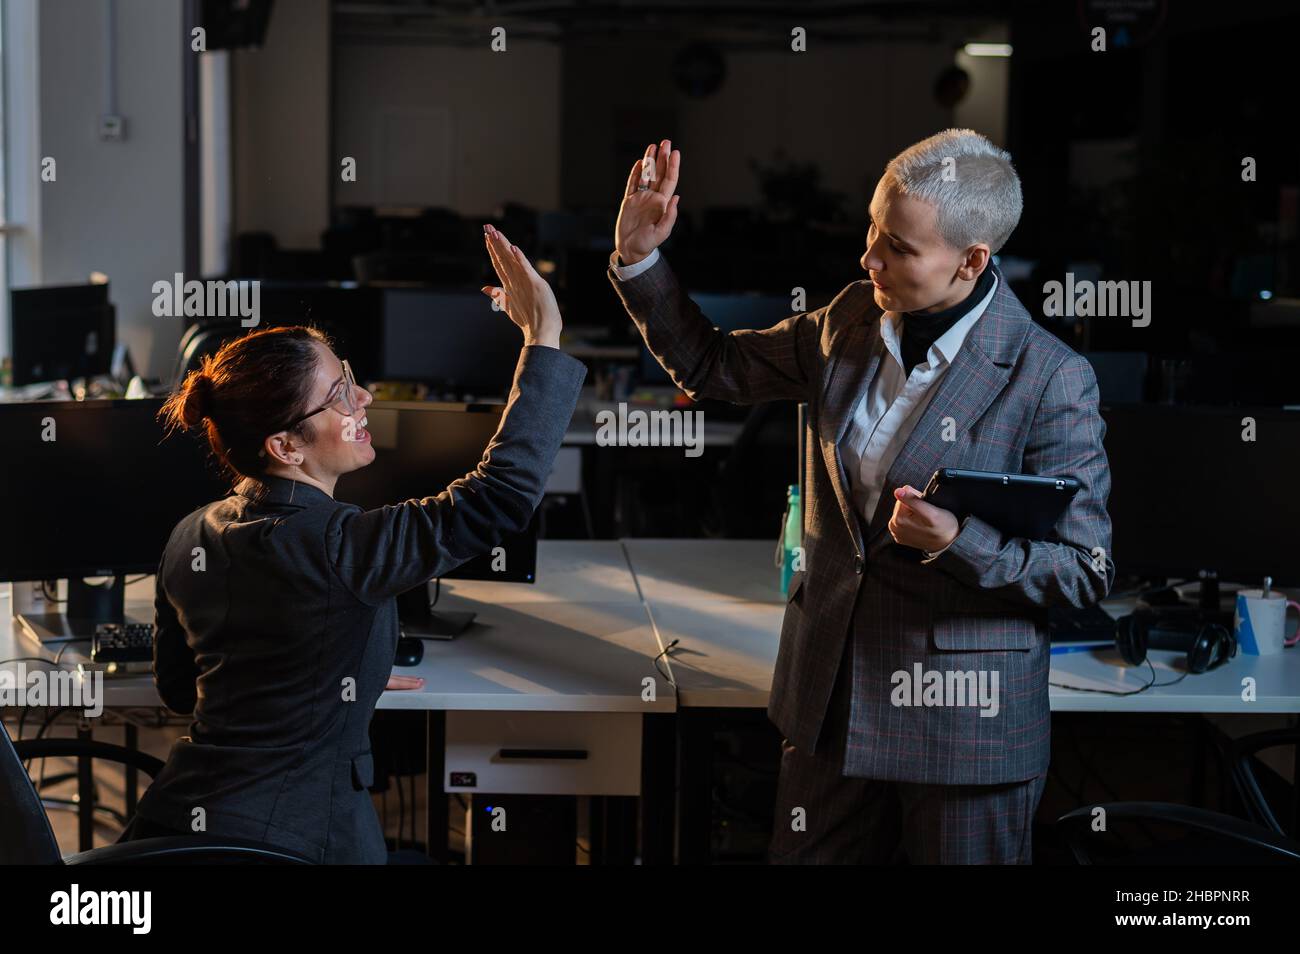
(419, 620)
(87, 606)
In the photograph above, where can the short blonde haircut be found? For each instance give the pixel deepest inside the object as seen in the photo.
(976, 196)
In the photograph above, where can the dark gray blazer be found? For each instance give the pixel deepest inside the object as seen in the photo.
(1021, 402)
(282, 642)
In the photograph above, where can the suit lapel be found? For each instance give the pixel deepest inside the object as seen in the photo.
(978, 374)
(854, 367)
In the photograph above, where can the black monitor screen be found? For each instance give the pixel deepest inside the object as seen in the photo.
(452, 340)
(728, 313)
(61, 332)
(91, 488)
(420, 448)
(351, 315)
(1189, 493)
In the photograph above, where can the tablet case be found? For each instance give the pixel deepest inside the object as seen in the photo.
(1019, 505)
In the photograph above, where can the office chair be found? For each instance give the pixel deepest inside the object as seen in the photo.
(1240, 755)
(199, 341)
(1201, 837)
(26, 837)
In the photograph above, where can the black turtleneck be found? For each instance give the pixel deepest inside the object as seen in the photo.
(920, 331)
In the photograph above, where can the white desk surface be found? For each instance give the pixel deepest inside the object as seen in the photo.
(540, 656)
(578, 640)
(726, 650)
(1276, 680)
(721, 600)
(584, 637)
(586, 571)
(692, 571)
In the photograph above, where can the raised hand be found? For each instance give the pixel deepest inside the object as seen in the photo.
(649, 208)
(523, 294)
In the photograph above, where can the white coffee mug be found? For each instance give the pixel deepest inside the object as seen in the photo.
(1261, 622)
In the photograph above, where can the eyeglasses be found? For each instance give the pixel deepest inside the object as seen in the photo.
(347, 401)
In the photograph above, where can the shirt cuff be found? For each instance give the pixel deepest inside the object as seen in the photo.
(627, 272)
(972, 552)
(931, 555)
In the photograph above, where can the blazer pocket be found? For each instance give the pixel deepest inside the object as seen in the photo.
(992, 633)
(363, 771)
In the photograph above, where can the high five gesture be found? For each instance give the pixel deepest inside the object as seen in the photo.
(649, 208)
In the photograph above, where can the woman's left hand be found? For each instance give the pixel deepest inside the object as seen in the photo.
(405, 682)
(919, 524)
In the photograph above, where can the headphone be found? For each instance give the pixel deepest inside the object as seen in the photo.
(1208, 645)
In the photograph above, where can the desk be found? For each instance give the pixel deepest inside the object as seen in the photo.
(721, 600)
(586, 635)
(580, 640)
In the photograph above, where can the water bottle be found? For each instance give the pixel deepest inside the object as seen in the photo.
(792, 536)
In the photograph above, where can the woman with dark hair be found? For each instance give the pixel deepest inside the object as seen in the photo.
(276, 615)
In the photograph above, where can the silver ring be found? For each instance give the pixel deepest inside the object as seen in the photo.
(643, 188)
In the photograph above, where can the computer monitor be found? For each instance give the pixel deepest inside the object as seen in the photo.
(352, 315)
(728, 312)
(591, 306)
(61, 332)
(420, 448)
(450, 340)
(1189, 494)
(92, 489)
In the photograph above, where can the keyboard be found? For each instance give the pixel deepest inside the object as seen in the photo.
(122, 643)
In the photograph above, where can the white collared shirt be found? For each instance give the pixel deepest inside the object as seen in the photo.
(886, 413)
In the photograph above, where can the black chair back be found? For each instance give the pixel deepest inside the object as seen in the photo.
(199, 341)
(26, 837)
(1146, 833)
(1251, 788)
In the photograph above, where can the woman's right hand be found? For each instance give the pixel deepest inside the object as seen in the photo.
(523, 294)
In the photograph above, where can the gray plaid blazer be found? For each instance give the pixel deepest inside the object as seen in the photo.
(1021, 401)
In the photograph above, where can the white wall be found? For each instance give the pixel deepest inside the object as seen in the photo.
(280, 122)
(115, 207)
(450, 126)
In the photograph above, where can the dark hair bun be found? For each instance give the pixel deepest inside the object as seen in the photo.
(198, 399)
(256, 384)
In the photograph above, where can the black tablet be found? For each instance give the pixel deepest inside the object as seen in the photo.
(1020, 505)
